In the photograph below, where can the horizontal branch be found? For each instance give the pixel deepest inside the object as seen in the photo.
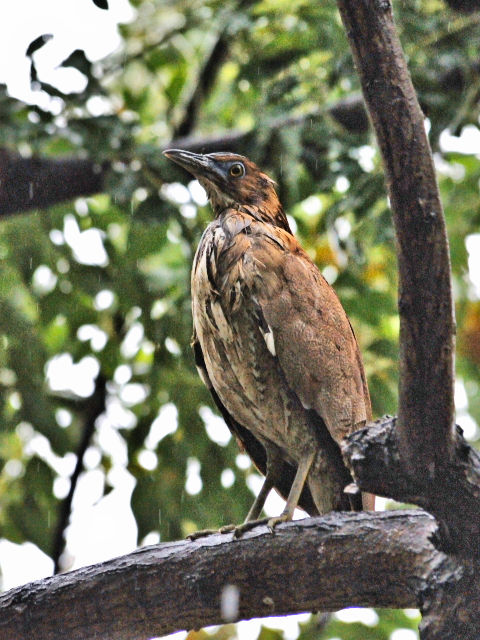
(38, 183)
(349, 112)
(326, 563)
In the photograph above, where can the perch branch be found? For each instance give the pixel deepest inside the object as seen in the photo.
(165, 588)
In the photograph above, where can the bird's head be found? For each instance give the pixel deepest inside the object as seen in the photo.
(231, 180)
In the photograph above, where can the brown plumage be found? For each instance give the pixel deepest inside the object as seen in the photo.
(272, 341)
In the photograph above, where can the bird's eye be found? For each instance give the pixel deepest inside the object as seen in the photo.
(237, 170)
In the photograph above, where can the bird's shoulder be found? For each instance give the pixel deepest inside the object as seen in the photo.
(238, 248)
(267, 257)
(238, 244)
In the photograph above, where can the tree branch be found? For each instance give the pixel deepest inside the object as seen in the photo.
(208, 75)
(319, 563)
(206, 79)
(427, 327)
(454, 499)
(36, 183)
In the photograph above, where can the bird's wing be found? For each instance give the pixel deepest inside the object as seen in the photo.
(305, 326)
(249, 443)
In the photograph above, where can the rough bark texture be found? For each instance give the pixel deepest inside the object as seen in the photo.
(425, 461)
(174, 586)
(450, 608)
(427, 326)
(454, 499)
(450, 604)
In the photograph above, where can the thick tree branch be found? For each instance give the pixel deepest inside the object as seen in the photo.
(36, 183)
(426, 409)
(425, 461)
(319, 563)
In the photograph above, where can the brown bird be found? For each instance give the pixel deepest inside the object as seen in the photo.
(272, 341)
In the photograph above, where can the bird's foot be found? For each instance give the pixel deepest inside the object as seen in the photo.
(239, 529)
(203, 533)
(247, 526)
(251, 524)
(283, 517)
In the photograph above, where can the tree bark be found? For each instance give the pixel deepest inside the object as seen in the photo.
(424, 460)
(427, 325)
(37, 183)
(384, 559)
(454, 499)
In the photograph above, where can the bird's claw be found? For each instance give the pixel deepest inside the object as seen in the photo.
(227, 528)
(272, 522)
(240, 529)
(251, 524)
(247, 526)
(203, 533)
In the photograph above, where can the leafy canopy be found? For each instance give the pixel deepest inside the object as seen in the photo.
(102, 284)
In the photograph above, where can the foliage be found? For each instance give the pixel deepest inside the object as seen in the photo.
(125, 312)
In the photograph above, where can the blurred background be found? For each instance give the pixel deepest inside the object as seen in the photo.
(108, 438)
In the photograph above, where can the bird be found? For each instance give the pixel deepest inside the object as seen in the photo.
(272, 342)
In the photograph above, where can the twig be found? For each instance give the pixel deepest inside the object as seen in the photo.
(95, 407)
(206, 79)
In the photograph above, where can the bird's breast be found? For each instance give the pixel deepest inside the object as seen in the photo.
(240, 361)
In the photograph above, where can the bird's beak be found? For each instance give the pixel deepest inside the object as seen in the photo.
(196, 163)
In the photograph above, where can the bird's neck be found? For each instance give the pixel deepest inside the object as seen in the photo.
(275, 216)
(220, 202)
(271, 212)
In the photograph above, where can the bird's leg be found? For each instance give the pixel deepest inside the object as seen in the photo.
(295, 490)
(268, 484)
(257, 506)
(292, 500)
(274, 464)
(273, 468)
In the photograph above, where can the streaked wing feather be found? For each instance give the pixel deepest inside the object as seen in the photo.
(313, 339)
(251, 445)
